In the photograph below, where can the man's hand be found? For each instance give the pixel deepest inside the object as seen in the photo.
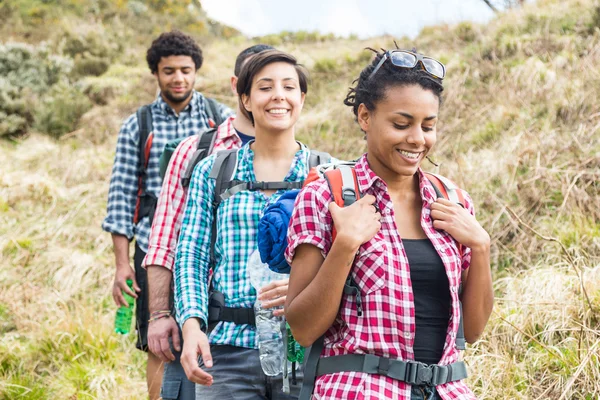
(123, 273)
(159, 332)
(274, 295)
(195, 344)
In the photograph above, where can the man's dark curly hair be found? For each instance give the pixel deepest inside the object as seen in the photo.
(370, 91)
(174, 43)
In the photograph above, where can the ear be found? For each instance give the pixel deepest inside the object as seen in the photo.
(302, 97)
(234, 80)
(363, 117)
(246, 102)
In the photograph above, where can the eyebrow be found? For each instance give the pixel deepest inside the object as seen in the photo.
(431, 117)
(271, 80)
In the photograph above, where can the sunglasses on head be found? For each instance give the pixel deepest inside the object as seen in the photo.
(408, 59)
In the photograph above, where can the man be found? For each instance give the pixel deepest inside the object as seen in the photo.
(233, 133)
(178, 111)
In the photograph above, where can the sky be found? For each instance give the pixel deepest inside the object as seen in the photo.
(365, 18)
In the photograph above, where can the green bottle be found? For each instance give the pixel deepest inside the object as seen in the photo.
(125, 314)
(295, 352)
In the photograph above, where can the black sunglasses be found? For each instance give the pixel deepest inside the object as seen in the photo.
(408, 59)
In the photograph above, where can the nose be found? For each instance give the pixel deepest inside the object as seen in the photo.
(178, 76)
(416, 136)
(278, 93)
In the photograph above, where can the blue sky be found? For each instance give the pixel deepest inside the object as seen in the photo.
(365, 18)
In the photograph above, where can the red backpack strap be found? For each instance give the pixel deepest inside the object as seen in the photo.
(343, 184)
(447, 189)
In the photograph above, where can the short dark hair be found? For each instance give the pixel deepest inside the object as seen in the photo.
(244, 54)
(256, 64)
(174, 43)
(370, 91)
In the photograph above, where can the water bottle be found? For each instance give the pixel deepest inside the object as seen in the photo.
(268, 326)
(125, 314)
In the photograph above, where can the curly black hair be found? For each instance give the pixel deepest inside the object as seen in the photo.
(370, 91)
(246, 53)
(174, 43)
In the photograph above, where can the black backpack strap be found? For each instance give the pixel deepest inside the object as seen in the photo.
(206, 143)
(144, 120)
(316, 158)
(222, 171)
(145, 202)
(310, 369)
(212, 111)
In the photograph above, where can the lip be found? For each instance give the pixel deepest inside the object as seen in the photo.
(287, 111)
(411, 160)
(178, 89)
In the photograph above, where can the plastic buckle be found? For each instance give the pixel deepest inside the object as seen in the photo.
(418, 373)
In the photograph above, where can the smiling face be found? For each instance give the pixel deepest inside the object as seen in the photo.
(400, 131)
(176, 77)
(275, 99)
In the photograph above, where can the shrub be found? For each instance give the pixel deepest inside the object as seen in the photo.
(61, 109)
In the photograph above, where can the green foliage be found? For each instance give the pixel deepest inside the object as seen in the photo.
(61, 109)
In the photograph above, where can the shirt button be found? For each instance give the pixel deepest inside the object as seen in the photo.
(406, 335)
(453, 289)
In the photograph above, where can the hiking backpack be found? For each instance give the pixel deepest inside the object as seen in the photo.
(343, 184)
(223, 171)
(146, 202)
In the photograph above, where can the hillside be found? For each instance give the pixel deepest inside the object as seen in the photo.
(519, 130)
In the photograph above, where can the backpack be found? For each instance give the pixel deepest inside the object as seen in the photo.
(343, 184)
(146, 201)
(222, 172)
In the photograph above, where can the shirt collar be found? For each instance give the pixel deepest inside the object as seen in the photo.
(367, 179)
(247, 155)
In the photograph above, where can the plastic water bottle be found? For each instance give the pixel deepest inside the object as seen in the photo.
(268, 326)
(125, 314)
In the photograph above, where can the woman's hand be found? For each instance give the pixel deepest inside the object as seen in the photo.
(358, 223)
(274, 295)
(195, 344)
(459, 223)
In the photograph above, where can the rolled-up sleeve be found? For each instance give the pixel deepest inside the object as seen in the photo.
(122, 191)
(311, 221)
(192, 261)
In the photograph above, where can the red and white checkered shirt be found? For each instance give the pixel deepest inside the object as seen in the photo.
(381, 271)
(162, 243)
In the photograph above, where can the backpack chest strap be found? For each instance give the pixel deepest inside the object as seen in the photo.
(236, 186)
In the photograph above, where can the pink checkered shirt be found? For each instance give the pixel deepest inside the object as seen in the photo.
(381, 270)
(162, 243)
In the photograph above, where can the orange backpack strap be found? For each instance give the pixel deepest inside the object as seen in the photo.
(343, 184)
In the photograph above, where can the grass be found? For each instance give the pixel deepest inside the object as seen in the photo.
(519, 131)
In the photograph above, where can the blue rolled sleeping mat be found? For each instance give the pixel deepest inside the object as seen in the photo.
(272, 232)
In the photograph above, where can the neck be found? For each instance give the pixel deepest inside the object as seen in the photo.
(275, 145)
(399, 186)
(177, 107)
(243, 124)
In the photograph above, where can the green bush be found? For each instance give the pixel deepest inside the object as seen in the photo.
(60, 111)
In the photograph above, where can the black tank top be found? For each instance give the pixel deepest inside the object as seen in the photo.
(431, 292)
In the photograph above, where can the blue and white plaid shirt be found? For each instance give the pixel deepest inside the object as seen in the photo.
(237, 227)
(122, 192)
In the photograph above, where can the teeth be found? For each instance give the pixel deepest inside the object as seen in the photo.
(278, 111)
(408, 154)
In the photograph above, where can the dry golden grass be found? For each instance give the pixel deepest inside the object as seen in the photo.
(519, 131)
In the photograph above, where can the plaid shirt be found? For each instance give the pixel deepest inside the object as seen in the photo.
(381, 270)
(122, 191)
(169, 210)
(237, 225)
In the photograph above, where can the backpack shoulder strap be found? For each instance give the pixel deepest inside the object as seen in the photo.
(213, 112)
(445, 188)
(310, 368)
(145, 136)
(206, 143)
(222, 171)
(316, 158)
(343, 186)
(144, 120)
